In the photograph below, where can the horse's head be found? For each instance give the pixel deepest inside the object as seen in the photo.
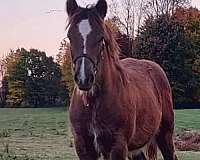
(86, 35)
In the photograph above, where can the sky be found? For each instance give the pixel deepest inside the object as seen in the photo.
(36, 24)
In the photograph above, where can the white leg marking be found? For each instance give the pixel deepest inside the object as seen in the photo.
(84, 29)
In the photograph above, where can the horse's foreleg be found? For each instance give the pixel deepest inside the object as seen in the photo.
(85, 148)
(119, 150)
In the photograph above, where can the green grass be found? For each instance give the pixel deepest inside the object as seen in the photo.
(188, 119)
(189, 155)
(35, 134)
(43, 134)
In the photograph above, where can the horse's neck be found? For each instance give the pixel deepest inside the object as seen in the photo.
(110, 75)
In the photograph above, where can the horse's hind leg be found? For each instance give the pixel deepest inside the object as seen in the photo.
(166, 145)
(164, 137)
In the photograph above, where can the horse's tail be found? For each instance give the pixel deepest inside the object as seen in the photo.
(152, 151)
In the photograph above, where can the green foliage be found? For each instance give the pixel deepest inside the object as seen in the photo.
(196, 69)
(165, 41)
(3, 91)
(64, 59)
(34, 79)
(192, 25)
(15, 93)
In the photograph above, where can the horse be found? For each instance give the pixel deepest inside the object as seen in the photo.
(119, 108)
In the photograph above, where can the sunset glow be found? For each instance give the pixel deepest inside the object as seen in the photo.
(36, 24)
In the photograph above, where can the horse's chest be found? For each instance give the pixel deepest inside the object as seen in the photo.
(96, 132)
(101, 133)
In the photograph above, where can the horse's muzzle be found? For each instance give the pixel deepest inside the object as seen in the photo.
(84, 74)
(84, 84)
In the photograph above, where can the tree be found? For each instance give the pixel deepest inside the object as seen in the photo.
(3, 91)
(3, 83)
(164, 7)
(34, 80)
(128, 16)
(165, 41)
(190, 17)
(65, 62)
(15, 94)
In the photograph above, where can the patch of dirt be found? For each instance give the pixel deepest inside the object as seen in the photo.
(188, 141)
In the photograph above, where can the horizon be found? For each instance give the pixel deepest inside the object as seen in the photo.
(41, 26)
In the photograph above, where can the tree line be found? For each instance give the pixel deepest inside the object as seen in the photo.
(170, 36)
(33, 80)
(167, 32)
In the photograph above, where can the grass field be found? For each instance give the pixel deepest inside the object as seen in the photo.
(43, 134)
(187, 119)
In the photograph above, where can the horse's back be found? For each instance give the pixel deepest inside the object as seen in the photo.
(148, 70)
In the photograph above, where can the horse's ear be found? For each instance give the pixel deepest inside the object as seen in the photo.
(102, 7)
(71, 7)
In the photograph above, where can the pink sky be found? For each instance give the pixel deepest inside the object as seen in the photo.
(29, 24)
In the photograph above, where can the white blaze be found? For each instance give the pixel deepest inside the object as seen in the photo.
(84, 29)
(82, 70)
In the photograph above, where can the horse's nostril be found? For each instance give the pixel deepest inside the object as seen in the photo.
(91, 79)
(84, 83)
(76, 78)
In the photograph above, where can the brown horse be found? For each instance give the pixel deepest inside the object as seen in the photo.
(120, 108)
